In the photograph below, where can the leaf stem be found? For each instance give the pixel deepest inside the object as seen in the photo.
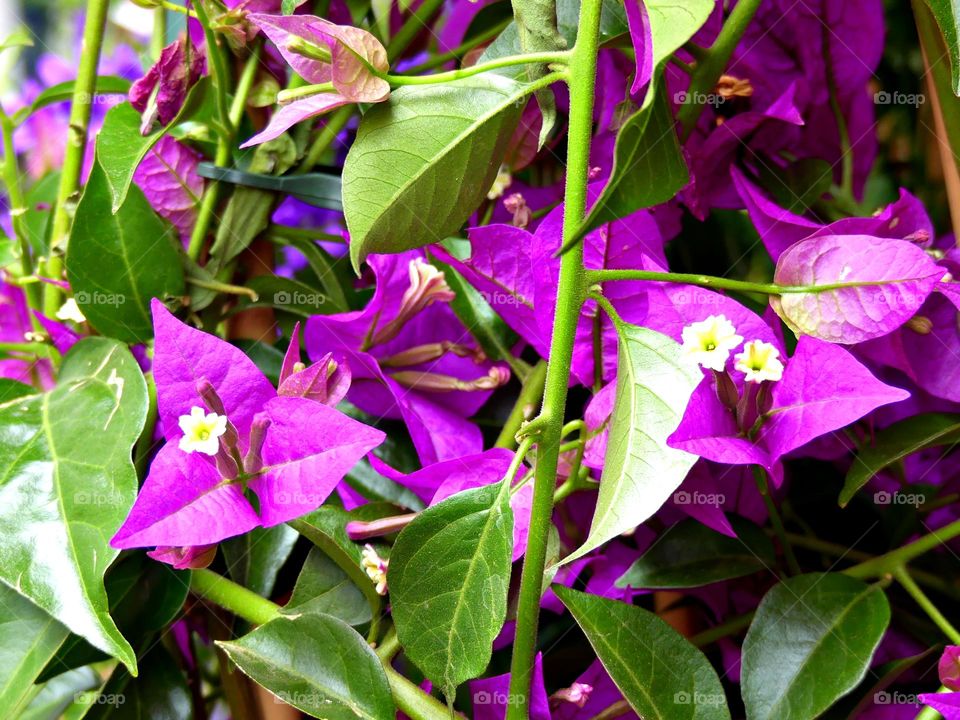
(258, 610)
(713, 62)
(544, 58)
(760, 477)
(530, 393)
(890, 562)
(902, 576)
(77, 132)
(571, 290)
(461, 50)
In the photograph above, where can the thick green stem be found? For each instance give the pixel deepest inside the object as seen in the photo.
(77, 131)
(902, 576)
(251, 607)
(530, 395)
(890, 562)
(233, 597)
(714, 61)
(571, 291)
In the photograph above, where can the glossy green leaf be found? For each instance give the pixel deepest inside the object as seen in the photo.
(62, 496)
(318, 664)
(29, 637)
(658, 671)
(56, 697)
(324, 587)
(451, 556)
(640, 471)
(896, 442)
(160, 693)
(255, 558)
(648, 168)
(947, 15)
(690, 554)
(810, 643)
(424, 160)
(117, 262)
(124, 146)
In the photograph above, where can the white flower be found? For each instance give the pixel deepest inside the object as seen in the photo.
(759, 361)
(201, 432)
(376, 568)
(710, 341)
(71, 311)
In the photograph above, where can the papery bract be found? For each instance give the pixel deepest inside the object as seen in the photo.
(893, 277)
(168, 177)
(160, 93)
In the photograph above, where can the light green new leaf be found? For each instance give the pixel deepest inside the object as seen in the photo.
(658, 671)
(19, 38)
(648, 168)
(121, 146)
(318, 664)
(641, 471)
(67, 485)
(449, 575)
(896, 442)
(424, 160)
(117, 263)
(29, 637)
(810, 643)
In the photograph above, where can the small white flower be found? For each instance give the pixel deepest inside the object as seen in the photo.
(71, 311)
(759, 361)
(500, 183)
(376, 568)
(709, 342)
(201, 431)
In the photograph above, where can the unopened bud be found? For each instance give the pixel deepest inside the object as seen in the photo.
(258, 433)
(726, 389)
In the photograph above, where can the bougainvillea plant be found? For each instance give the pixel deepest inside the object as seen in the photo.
(503, 359)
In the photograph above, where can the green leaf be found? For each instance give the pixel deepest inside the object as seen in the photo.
(29, 637)
(63, 92)
(19, 38)
(896, 442)
(117, 263)
(374, 486)
(658, 671)
(648, 168)
(124, 146)
(424, 160)
(333, 674)
(690, 554)
(332, 274)
(810, 643)
(160, 693)
(452, 555)
(144, 596)
(40, 201)
(63, 496)
(254, 559)
(55, 696)
(324, 587)
(640, 471)
(947, 15)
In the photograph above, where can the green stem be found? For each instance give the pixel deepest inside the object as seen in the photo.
(730, 627)
(389, 646)
(77, 132)
(902, 576)
(710, 281)
(233, 597)
(760, 477)
(530, 394)
(714, 61)
(890, 562)
(571, 290)
(543, 58)
(412, 27)
(258, 610)
(158, 38)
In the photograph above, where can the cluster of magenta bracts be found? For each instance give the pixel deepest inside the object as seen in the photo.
(866, 356)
